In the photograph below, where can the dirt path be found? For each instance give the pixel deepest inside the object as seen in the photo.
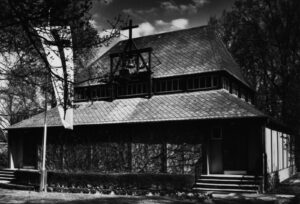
(290, 187)
(15, 196)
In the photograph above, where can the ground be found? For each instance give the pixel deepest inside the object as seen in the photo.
(288, 192)
(26, 197)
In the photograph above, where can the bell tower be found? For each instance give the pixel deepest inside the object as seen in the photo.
(130, 66)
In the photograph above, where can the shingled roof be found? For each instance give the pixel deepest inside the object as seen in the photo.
(205, 105)
(189, 51)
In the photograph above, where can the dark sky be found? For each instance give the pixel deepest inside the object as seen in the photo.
(155, 16)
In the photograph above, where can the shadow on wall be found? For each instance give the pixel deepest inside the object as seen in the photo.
(3, 155)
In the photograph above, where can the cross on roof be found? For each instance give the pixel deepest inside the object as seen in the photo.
(130, 27)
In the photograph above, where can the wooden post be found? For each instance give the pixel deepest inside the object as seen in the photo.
(264, 160)
(207, 154)
(111, 79)
(149, 73)
(204, 158)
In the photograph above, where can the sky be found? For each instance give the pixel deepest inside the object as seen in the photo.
(156, 16)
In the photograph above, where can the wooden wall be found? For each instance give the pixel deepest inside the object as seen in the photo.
(164, 142)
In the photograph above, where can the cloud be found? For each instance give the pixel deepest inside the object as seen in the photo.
(159, 26)
(133, 13)
(93, 23)
(180, 23)
(200, 3)
(147, 11)
(146, 28)
(176, 24)
(106, 2)
(169, 6)
(140, 13)
(190, 8)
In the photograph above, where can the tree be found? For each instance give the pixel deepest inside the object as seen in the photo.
(264, 38)
(29, 68)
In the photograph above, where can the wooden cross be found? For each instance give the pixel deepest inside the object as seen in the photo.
(130, 27)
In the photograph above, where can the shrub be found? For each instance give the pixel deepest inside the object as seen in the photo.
(27, 177)
(121, 182)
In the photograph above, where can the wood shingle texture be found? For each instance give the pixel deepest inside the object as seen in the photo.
(183, 52)
(204, 105)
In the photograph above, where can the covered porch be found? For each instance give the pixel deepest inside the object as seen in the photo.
(199, 133)
(197, 148)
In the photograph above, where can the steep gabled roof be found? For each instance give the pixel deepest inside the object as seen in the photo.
(189, 51)
(203, 105)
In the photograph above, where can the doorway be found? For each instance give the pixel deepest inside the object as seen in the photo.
(235, 150)
(29, 153)
(216, 151)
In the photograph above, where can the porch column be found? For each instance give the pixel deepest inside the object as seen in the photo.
(264, 158)
(207, 149)
(11, 164)
(203, 163)
(15, 151)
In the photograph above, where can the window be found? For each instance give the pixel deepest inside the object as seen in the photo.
(83, 93)
(104, 91)
(94, 92)
(243, 94)
(215, 81)
(216, 133)
(132, 89)
(226, 84)
(79, 94)
(235, 89)
(202, 82)
(167, 85)
(250, 98)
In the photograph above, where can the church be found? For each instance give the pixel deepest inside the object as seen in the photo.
(171, 103)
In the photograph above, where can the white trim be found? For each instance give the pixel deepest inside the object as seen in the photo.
(235, 172)
(229, 175)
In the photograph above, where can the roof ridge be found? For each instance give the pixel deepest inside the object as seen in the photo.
(168, 32)
(181, 52)
(155, 34)
(218, 104)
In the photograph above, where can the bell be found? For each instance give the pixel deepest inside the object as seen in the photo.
(130, 64)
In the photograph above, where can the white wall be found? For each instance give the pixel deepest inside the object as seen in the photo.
(278, 151)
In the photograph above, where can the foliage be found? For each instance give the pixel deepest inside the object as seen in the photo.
(24, 66)
(128, 181)
(3, 155)
(263, 37)
(27, 177)
(122, 157)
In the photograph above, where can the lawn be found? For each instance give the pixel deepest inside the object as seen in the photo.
(287, 192)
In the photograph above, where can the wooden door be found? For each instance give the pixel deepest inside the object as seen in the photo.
(235, 152)
(216, 152)
(29, 152)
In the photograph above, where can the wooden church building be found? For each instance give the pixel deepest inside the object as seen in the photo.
(172, 103)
